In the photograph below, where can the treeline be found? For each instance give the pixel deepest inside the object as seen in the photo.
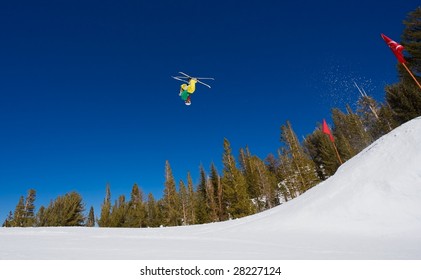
(67, 210)
(248, 184)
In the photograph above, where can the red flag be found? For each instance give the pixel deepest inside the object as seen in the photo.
(326, 130)
(395, 47)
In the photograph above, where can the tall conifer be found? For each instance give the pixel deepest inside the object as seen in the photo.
(234, 186)
(29, 216)
(91, 218)
(136, 213)
(217, 187)
(322, 153)
(152, 210)
(19, 214)
(191, 201)
(104, 220)
(171, 205)
(183, 202)
(300, 170)
(411, 39)
(202, 206)
(118, 215)
(211, 202)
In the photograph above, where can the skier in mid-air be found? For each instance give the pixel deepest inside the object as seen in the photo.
(187, 90)
(189, 86)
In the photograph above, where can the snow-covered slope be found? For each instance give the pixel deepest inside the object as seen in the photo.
(370, 209)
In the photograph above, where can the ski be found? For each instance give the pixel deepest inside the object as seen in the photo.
(202, 78)
(200, 82)
(179, 79)
(183, 77)
(198, 79)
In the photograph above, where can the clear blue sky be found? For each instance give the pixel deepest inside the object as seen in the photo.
(86, 96)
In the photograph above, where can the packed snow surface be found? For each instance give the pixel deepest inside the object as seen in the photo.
(370, 209)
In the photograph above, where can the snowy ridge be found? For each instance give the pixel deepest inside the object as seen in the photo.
(370, 209)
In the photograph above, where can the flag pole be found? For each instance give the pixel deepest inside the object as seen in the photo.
(412, 75)
(337, 153)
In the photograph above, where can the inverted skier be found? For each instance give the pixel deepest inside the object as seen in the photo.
(188, 89)
(189, 86)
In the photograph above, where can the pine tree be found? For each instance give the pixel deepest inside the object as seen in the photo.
(405, 101)
(217, 187)
(50, 215)
(387, 121)
(136, 213)
(161, 218)
(374, 117)
(41, 219)
(273, 166)
(183, 201)
(287, 175)
(91, 218)
(347, 142)
(322, 153)
(272, 163)
(202, 207)
(104, 220)
(19, 214)
(266, 184)
(153, 216)
(234, 186)
(29, 219)
(249, 173)
(171, 205)
(65, 210)
(9, 220)
(301, 172)
(191, 201)
(24, 214)
(411, 39)
(260, 183)
(119, 211)
(358, 135)
(211, 202)
(73, 210)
